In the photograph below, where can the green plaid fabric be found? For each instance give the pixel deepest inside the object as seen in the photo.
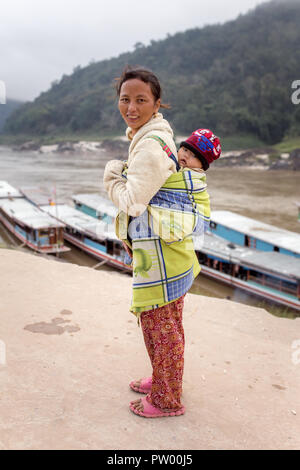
(164, 260)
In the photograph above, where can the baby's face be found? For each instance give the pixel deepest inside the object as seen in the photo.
(186, 158)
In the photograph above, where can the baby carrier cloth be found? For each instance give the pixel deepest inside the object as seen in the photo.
(161, 238)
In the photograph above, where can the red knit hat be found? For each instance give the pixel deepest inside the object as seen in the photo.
(205, 145)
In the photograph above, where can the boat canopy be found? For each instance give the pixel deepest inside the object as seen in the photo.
(37, 196)
(269, 233)
(272, 262)
(28, 214)
(6, 190)
(80, 221)
(96, 202)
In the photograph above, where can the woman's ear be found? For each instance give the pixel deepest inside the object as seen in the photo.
(157, 106)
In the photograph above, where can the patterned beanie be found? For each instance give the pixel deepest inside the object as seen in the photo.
(205, 145)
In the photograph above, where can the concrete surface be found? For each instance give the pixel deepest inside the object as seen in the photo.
(72, 346)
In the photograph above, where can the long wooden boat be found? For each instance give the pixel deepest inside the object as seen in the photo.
(31, 226)
(268, 274)
(251, 233)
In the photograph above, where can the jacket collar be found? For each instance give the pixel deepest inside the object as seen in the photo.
(156, 123)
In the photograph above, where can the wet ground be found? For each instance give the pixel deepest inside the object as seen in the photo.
(265, 195)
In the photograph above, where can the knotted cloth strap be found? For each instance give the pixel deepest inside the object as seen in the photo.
(171, 155)
(166, 149)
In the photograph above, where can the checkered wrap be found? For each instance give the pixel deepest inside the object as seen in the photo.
(164, 260)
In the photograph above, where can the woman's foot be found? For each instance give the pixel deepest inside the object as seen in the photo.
(143, 408)
(137, 405)
(142, 385)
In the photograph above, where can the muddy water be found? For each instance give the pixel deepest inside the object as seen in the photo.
(268, 196)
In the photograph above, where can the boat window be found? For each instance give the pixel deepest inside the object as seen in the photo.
(276, 248)
(212, 225)
(226, 268)
(43, 233)
(289, 287)
(110, 247)
(201, 257)
(117, 249)
(274, 282)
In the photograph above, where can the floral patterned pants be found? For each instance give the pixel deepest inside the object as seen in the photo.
(164, 339)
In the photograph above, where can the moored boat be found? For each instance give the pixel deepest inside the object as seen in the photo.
(31, 226)
(270, 275)
(252, 233)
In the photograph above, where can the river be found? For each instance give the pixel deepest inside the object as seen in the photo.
(268, 196)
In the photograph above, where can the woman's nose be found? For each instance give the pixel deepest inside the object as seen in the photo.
(131, 106)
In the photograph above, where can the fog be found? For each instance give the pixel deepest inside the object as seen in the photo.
(42, 40)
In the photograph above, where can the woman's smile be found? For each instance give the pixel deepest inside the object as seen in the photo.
(132, 118)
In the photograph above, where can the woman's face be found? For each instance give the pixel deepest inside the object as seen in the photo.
(137, 103)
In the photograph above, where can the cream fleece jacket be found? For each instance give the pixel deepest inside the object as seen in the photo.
(148, 168)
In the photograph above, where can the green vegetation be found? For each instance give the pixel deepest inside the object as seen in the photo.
(287, 145)
(241, 142)
(234, 78)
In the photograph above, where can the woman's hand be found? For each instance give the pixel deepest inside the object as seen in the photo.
(129, 251)
(113, 168)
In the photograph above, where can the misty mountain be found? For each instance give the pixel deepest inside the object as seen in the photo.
(234, 78)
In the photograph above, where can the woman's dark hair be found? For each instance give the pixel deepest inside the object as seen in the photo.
(146, 76)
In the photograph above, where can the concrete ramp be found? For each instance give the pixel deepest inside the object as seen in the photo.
(69, 348)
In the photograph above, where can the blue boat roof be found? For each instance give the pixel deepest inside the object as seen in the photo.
(272, 262)
(96, 202)
(259, 230)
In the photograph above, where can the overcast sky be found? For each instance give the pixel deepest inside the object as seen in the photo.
(40, 40)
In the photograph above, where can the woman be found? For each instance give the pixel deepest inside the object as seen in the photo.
(158, 301)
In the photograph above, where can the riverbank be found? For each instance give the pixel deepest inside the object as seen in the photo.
(263, 158)
(72, 347)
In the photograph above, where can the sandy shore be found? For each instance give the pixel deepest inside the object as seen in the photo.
(69, 347)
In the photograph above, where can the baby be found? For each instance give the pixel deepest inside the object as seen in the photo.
(199, 150)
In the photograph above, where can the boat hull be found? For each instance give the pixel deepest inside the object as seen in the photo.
(251, 289)
(110, 260)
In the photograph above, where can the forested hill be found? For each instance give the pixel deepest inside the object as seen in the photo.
(234, 78)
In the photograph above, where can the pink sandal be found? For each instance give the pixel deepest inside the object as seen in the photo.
(144, 387)
(150, 411)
